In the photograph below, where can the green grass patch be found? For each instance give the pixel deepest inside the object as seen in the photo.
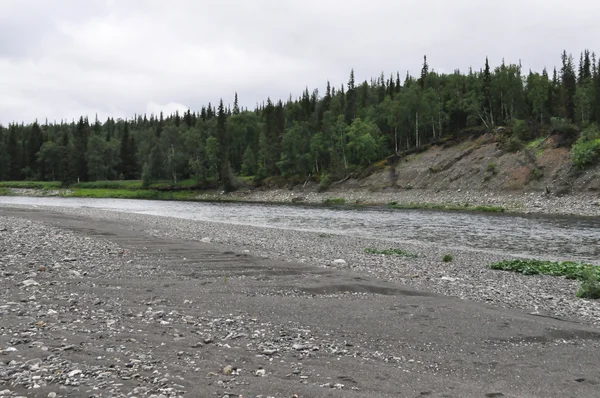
(392, 252)
(5, 192)
(137, 184)
(438, 206)
(120, 184)
(568, 269)
(590, 286)
(31, 184)
(447, 258)
(531, 145)
(334, 201)
(129, 194)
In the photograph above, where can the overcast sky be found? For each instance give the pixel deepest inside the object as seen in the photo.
(63, 58)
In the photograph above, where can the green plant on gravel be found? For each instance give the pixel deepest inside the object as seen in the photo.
(492, 168)
(447, 258)
(590, 285)
(568, 269)
(392, 252)
(323, 235)
(4, 191)
(334, 201)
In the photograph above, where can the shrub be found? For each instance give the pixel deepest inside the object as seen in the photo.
(491, 168)
(521, 129)
(568, 269)
(447, 258)
(512, 144)
(590, 286)
(324, 183)
(585, 153)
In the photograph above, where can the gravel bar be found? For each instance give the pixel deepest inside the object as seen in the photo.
(97, 303)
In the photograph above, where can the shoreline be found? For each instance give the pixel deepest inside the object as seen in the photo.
(584, 204)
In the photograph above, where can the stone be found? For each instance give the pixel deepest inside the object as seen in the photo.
(339, 261)
(261, 372)
(29, 282)
(228, 370)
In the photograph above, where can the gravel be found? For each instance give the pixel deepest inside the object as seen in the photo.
(51, 297)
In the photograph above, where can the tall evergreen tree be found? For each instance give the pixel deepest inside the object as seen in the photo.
(569, 86)
(351, 99)
(222, 136)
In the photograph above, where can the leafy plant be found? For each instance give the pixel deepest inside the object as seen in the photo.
(590, 286)
(392, 252)
(568, 269)
(447, 258)
(491, 168)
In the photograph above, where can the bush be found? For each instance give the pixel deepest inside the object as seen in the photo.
(491, 168)
(447, 258)
(512, 144)
(585, 153)
(324, 183)
(590, 286)
(521, 129)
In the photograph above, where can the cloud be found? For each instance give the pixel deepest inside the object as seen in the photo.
(65, 58)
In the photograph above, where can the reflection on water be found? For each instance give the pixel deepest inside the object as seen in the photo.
(550, 237)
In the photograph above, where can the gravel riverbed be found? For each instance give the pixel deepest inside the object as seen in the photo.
(68, 328)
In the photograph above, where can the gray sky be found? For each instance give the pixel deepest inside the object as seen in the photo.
(64, 58)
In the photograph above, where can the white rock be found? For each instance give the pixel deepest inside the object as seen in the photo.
(449, 279)
(29, 282)
(74, 373)
(261, 372)
(339, 261)
(206, 240)
(52, 312)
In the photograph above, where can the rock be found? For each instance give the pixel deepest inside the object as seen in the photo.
(29, 282)
(228, 370)
(339, 261)
(74, 373)
(51, 395)
(269, 351)
(69, 260)
(52, 312)
(299, 347)
(449, 279)
(261, 372)
(206, 240)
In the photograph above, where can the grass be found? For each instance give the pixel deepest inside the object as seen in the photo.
(590, 286)
(31, 184)
(129, 194)
(568, 269)
(392, 252)
(438, 206)
(447, 258)
(334, 201)
(5, 192)
(491, 168)
(137, 184)
(535, 143)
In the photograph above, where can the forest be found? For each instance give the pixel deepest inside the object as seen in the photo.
(326, 135)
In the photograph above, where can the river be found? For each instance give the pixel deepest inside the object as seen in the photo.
(573, 238)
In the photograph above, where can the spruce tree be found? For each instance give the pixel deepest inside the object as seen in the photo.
(569, 86)
(223, 138)
(351, 99)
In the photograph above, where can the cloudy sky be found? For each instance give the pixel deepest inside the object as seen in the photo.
(63, 58)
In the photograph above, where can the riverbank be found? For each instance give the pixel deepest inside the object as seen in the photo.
(259, 311)
(579, 204)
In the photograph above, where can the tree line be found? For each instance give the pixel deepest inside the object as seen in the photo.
(332, 134)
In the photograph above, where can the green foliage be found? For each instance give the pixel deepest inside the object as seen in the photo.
(568, 269)
(450, 207)
(512, 144)
(48, 185)
(537, 173)
(334, 201)
(590, 284)
(492, 168)
(447, 258)
(345, 130)
(324, 183)
(5, 191)
(586, 151)
(521, 129)
(392, 252)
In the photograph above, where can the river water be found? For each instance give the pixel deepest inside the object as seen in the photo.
(532, 236)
